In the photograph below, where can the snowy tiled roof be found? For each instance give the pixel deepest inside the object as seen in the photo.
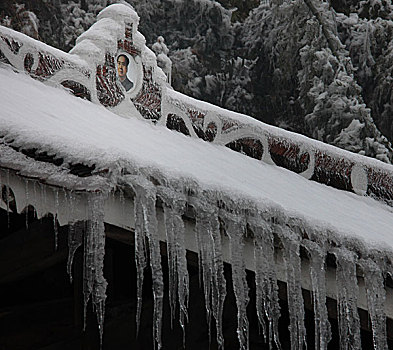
(50, 120)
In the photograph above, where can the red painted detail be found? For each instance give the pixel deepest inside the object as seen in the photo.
(47, 65)
(108, 91)
(28, 62)
(335, 172)
(79, 90)
(229, 125)
(128, 46)
(198, 119)
(249, 146)
(287, 155)
(174, 122)
(13, 45)
(148, 100)
(380, 185)
(210, 132)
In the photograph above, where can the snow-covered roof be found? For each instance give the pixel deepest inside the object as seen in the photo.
(161, 169)
(34, 115)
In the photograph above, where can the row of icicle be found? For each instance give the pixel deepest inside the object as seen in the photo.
(212, 222)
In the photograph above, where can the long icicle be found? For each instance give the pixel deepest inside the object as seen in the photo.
(291, 255)
(205, 259)
(174, 206)
(75, 230)
(211, 264)
(267, 301)
(75, 240)
(317, 272)
(93, 272)
(146, 199)
(171, 251)
(140, 256)
(376, 296)
(347, 295)
(235, 228)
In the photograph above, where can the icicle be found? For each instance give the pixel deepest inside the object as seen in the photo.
(174, 206)
(75, 229)
(94, 283)
(317, 272)
(211, 265)
(27, 203)
(266, 281)
(205, 260)
(35, 196)
(145, 204)
(376, 296)
(75, 240)
(140, 257)
(347, 295)
(235, 227)
(55, 217)
(294, 291)
(122, 200)
(8, 198)
(43, 197)
(172, 266)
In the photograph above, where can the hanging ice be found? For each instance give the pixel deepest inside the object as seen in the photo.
(55, 216)
(27, 209)
(266, 281)
(235, 227)
(294, 291)
(174, 206)
(146, 228)
(75, 229)
(211, 264)
(94, 283)
(75, 240)
(376, 296)
(347, 295)
(317, 271)
(140, 256)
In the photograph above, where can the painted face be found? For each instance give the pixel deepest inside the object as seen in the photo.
(122, 67)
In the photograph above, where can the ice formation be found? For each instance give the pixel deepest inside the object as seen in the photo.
(291, 254)
(266, 281)
(247, 211)
(347, 295)
(211, 264)
(376, 297)
(174, 207)
(317, 270)
(146, 232)
(235, 228)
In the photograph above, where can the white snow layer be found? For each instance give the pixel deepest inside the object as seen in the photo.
(35, 115)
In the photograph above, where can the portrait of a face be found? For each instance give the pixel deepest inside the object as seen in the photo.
(123, 63)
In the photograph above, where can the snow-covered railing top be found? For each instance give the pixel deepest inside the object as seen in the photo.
(91, 71)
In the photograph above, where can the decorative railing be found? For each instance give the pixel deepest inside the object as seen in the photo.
(311, 159)
(90, 71)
